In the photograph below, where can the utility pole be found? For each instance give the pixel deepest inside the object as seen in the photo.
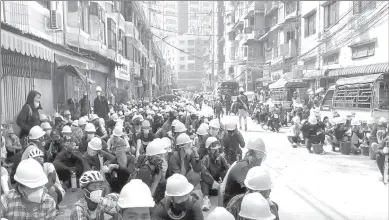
(150, 68)
(213, 43)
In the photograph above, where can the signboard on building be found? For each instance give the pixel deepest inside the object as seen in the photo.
(276, 74)
(122, 72)
(266, 71)
(138, 83)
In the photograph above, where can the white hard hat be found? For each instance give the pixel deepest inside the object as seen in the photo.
(66, 129)
(220, 213)
(118, 131)
(183, 139)
(135, 194)
(90, 177)
(241, 89)
(30, 173)
(312, 120)
(214, 123)
(255, 206)
(35, 152)
(43, 117)
(355, 122)
(81, 121)
(95, 144)
(382, 120)
(256, 144)
(211, 140)
(230, 126)
(36, 132)
(155, 147)
(140, 117)
(180, 127)
(75, 123)
(175, 122)
(94, 117)
(178, 185)
(258, 179)
(296, 119)
(98, 89)
(202, 130)
(114, 117)
(45, 125)
(90, 128)
(167, 143)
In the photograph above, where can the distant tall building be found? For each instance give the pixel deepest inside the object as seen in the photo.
(200, 17)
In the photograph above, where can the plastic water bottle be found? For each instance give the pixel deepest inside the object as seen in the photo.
(73, 180)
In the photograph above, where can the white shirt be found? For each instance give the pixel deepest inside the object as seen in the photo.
(49, 168)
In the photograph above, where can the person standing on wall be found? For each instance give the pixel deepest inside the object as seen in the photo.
(101, 107)
(242, 108)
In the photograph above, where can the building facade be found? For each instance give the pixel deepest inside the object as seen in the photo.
(69, 48)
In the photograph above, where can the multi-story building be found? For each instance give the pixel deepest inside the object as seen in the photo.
(190, 61)
(342, 39)
(65, 48)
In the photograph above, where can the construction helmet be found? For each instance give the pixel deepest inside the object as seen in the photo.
(75, 123)
(296, 119)
(117, 131)
(214, 123)
(255, 206)
(66, 130)
(178, 185)
(145, 124)
(114, 117)
(220, 213)
(256, 144)
(66, 112)
(35, 152)
(140, 117)
(175, 122)
(36, 132)
(382, 120)
(312, 120)
(211, 140)
(355, 122)
(81, 121)
(201, 130)
(167, 143)
(183, 139)
(258, 179)
(90, 177)
(370, 121)
(30, 173)
(94, 117)
(155, 147)
(241, 89)
(43, 117)
(135, 194)
(90, 128)
(180, 127)
(95, 144)
(45, 126)
(230, 126)
(98, 89)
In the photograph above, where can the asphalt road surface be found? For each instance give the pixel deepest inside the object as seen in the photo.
(309, 186)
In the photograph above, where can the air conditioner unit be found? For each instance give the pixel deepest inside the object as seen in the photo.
(55, 20)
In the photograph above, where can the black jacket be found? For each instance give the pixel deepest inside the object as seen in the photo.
(29, 115)
(101, 107)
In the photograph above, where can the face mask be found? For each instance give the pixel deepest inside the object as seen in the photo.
(146, 131)
(36, 104)
(90, 136)
(36, 196)
(91, 152)
(95, 195)
(98, 93)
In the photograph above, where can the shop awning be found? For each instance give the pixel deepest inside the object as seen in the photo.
(26, 46)
(285, 83)
(77, 72)
(358, 79)
(62, 59)
(313, 74)
(357, 70)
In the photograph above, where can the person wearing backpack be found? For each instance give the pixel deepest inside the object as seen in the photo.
(28, 117)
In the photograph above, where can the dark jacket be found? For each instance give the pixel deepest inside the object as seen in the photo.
(101, 107)
(193, 209)
(85, 106)
(29, 115)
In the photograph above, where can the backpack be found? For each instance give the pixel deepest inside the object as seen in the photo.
(17, 129)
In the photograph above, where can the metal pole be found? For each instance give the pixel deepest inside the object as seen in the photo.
(149, 67)
(213, 43)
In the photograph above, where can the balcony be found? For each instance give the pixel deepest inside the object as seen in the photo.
(248, 30)
(268, 55)
(259, 33)
(289, 50)
(271, 7)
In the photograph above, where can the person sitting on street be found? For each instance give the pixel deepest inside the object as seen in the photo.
(356, 137)
(295, 135)
(213, 169)
(255, 207)
(93, 205)
(12, 142)
(314, 133)
(220, 213)
(382, 147)
(96, 155)
(232, 143)
(257, 180)
(29, 193)
(179, 202)
(200, 139)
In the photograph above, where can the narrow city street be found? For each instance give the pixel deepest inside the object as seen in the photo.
(308, 186)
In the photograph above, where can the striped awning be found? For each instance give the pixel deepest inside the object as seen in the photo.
(313, 74)
(26, 46)
(357, 70)
(358, 79)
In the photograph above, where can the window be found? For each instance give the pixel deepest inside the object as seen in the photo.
(331, 59)
(182, 42)
(310, 25)
(290, 6)
(231, 36)
(245, 51)
(206, 42)
(290, 36)
(182, 58)
(191, 66)
(230, 69)
(44, 3)
(170, 13)
(356, 96)
(182, 67)
(170, 21)
(72, 6)
(129, 51)
(191, 50)
(362, 6)
(191, 57)
(128, 11)
(121, 42)
(331, 14)
(365, 50)
(191, 42)
(310, 64)
(111, 34)
(383, 98)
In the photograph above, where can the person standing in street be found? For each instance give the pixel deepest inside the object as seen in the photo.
(242, 108)
(84, 105)
(101, 107)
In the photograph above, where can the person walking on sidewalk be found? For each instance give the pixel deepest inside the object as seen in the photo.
(101, 107)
